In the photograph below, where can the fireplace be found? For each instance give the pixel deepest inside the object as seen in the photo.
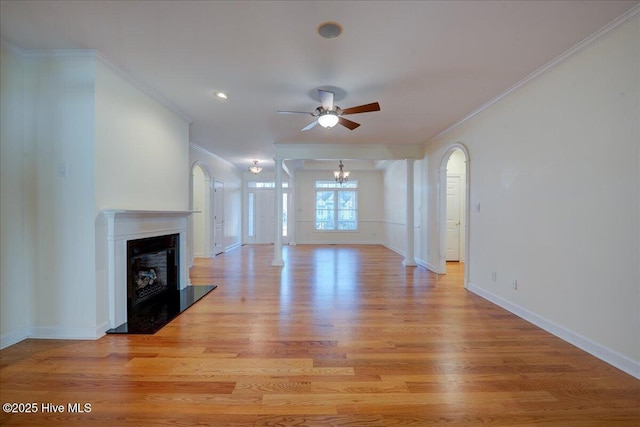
(142, 257)
(152, 271)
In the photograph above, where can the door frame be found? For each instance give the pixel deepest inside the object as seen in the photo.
(217, 200)
(250, 240)
(442, 210)
(461, 219)
(206, 212)
(286, 239)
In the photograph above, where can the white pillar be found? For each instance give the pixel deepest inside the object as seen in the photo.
(291, 218)
(409, 258)
(277, 246)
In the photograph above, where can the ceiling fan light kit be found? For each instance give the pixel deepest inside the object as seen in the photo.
(328, 119)
(328, 115)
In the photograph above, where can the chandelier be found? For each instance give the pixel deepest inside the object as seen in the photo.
(341, 176)
(255, 169)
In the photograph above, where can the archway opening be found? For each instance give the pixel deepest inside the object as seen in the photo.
(199, 220)
(454, 212)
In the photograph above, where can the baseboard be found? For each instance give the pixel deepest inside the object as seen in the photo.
(13, 337)
(102, 329)
(346, 242)
(232, 247)
(392, 248)
(427, 265)
(603, 353)
(419, 262)
(47, 332)
(55, 332)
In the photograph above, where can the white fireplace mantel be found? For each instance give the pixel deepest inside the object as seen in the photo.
(123, 225)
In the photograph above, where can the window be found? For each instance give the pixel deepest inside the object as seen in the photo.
(336, 206)
(266, 184)
(250, 215)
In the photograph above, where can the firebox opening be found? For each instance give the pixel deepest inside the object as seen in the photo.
(153, 271)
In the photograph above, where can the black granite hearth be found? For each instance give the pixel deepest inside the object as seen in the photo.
(151, 318)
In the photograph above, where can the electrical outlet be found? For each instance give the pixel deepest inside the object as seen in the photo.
(514, 284)
(494, 276)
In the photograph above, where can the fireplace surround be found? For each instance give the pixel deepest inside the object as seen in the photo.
(123, 226)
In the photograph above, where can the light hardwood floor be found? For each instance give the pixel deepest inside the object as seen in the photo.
(341, 336)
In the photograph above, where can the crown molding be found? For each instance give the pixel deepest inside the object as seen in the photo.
(611, 27)
(148, 91)
(11, 47)
(209, 153)
(63, 54)
(59, 53)
(52, 53)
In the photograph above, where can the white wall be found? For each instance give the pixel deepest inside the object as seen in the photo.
(141, 161)
(48, 268)
(59, 130)
(76, 138)
(395, 201)
(555, 167)
(395, 212)
(221, 170)
(142, 154)
(370, 203)
(16, 248)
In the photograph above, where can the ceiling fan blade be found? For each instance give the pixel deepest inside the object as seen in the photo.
(348, 123)
(294, 112)
(326, 99)
(310, 125)
(374, 106)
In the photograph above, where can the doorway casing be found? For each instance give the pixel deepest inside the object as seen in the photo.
(205, 210)
(442, 210)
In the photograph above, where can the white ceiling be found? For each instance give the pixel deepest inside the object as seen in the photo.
(428, 63)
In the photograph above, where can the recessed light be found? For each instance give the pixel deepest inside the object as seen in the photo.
(329, 30)
(222, 95)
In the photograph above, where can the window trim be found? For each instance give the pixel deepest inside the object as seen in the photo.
(336, 188)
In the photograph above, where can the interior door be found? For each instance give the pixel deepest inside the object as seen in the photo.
(218, 217)
(453, 218)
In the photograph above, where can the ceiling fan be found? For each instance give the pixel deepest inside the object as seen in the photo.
(328, 115)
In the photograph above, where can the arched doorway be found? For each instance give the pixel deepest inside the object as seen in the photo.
(200, 221)
(454, 208)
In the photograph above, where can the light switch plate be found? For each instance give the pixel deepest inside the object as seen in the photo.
(63, 169)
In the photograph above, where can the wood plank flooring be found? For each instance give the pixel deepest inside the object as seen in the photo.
(341, 336)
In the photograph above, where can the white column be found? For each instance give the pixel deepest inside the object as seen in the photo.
(277, 247)
(291, 220)
(409, 259)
